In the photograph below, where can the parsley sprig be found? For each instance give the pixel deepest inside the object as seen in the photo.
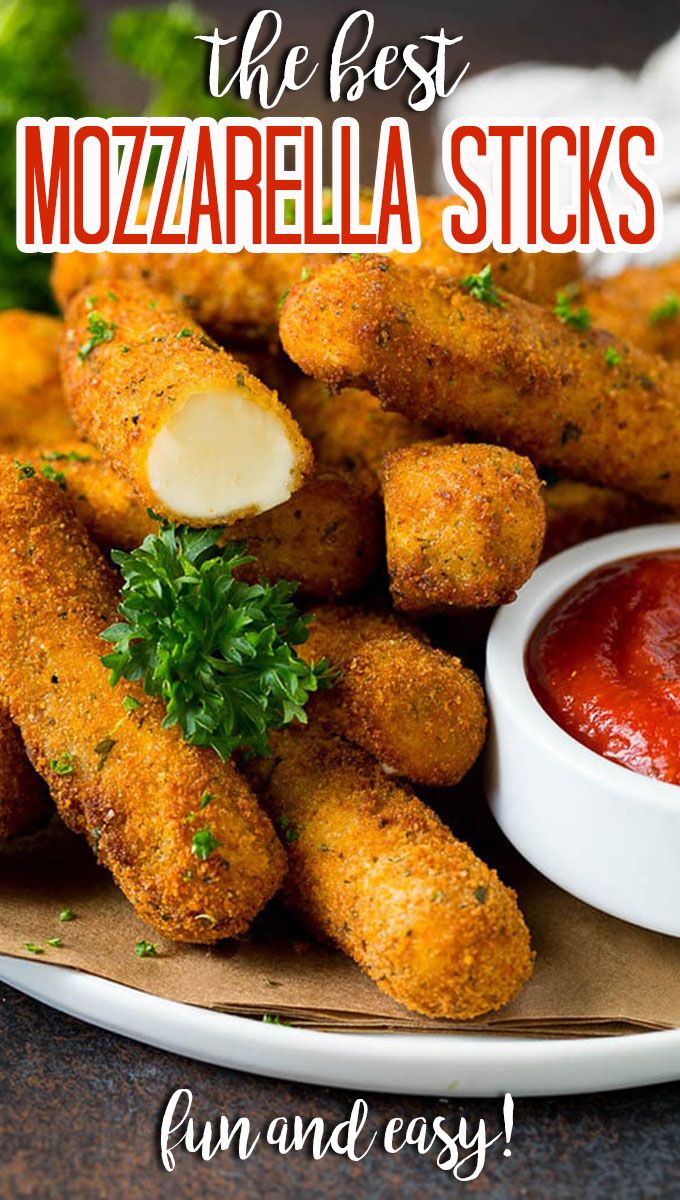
(564, 310)
(218, 651)
(100, 331)
(482, 287)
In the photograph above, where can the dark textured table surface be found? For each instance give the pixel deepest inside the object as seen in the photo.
(80, 1112)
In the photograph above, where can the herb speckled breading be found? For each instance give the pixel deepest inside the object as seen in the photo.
(373, 869)
(134, 789)
(195, 434)
(417, 709)
(514, 373)
(464, 525)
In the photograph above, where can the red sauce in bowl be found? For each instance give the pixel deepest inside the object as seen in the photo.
(605, 663)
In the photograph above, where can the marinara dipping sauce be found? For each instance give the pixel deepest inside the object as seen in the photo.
(605, 663)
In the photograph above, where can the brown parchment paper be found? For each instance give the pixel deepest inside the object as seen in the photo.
(594, 975)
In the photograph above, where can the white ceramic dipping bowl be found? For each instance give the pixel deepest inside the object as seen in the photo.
(602, 832)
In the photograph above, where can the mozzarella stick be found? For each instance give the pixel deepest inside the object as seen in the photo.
(104, 501)
(24, 799)
(179, 830)
(32, 407)
(350, 430)
(418, 710)
(641, 305)
(236, 296)
(511, 371)
(464, 525)
(196, 435)
(374, 870)
(328, 538)
(576, 512)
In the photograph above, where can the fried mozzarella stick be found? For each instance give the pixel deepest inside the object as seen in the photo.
(464, 525)
(576, 512)
(24, 799)
(32, 407)
(196, 435)
(328, 538)
(179, 830)
(641, 305)
(511, 371)
(372, 868)
(236, 296)
(418, 710)
(350, 430)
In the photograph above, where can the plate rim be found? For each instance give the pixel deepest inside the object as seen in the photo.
(441, 1064)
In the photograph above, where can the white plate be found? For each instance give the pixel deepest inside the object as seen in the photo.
(410, 1064)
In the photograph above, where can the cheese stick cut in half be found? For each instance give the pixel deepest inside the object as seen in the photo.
(197, 436)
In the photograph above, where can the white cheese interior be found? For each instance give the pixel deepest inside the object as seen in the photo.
(219, 454)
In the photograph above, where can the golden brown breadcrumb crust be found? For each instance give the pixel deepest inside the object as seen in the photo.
(418, 710)
(125, 389)
(576, 512)
(328, 537)
(515, 373)
(130, 786)
(373, 869)
(24, 799)
(464, 525)
(641, 305)
(32, 406)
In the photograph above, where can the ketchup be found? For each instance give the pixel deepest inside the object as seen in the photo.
(604, 663)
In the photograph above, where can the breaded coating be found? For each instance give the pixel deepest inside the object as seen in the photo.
(641, 305)
(418, 710)
(32, 407)
(373, 869)
(512, 372)
(236, 296)
(464, 525)
(196, 435)
(104, 501)
(24, 799)
(117, 776)
(233, 296)
(350, 430)
(535, 277)
(328, 537)
(576, 512)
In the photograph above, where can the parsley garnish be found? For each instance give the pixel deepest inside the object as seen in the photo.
(146, 949)
(203, 843)
(130, 704)
(64, 456)
(577, 318)
(273, 1019)
(205, 800)
(48, 472)
(103, 749)
(288, 830)
(612, 357)
(57, 942)
(24, 470)
(63, 764)
(218, 651)
(184, 333)
(31, 946)
(100, 331)
(481, 287)
(67, 914)
(667, 310)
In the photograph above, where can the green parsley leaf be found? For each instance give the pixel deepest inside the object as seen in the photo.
(103, 749)
(185, 333)
(31, 946)
(218, 651)
(130, 704)
(63, 764)
(667, 310)
(64, 456)
(48, 472)
(146, 949)
(205, 800)
(100, 331)
(203, 843)
(57, 942)
(24, 470)
(289, 832)
(612, 357)
(273, 1019)
(67, 914)
(481, 287)
(578, 318)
